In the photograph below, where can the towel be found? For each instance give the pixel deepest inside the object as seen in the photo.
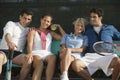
(43, 37)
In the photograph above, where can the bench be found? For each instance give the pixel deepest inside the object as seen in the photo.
(55, 47)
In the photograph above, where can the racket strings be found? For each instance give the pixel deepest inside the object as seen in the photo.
(103, 47)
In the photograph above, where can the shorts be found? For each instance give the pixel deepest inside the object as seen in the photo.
(94, 61)
(42, 53)
(16, 53)
(77, 55)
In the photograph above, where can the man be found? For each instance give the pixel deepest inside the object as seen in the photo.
(14, 39)
(97, 31)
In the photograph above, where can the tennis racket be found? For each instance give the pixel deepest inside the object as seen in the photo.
(105, 48)
(9, 65)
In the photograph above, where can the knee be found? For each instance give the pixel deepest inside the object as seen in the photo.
(76, 66)
(68, 51)
(3, 57)
(65, 54)
(116, 62)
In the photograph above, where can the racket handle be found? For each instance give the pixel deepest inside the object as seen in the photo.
(11, 54)
(9, 66)
(8, 72)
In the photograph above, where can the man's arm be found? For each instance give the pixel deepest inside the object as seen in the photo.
(116, 33)
(10, 44)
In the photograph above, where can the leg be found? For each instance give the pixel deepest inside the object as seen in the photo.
(3, 60)
(21, 60)
(65, 61)
(79, 67)
(38, 67)
(115, 64)
(51, 60)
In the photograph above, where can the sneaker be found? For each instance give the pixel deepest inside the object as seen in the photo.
(64, 77)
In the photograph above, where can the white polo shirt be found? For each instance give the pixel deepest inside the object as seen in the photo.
(18, 34)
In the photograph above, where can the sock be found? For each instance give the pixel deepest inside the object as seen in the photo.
(65, 73)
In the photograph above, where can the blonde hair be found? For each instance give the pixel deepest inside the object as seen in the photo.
(82, 21)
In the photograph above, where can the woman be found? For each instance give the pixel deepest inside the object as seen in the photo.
(39, 45)
(73, 46)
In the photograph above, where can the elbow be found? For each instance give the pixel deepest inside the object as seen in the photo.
(59, 38)
(82, 50)
(63, 34)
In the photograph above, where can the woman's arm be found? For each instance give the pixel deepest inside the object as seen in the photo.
(82, 49)
(58, 36)
(61, 30)
(78, 50)
(30, 38)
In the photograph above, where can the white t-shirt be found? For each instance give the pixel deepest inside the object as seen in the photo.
(97, 29)
(18, 34)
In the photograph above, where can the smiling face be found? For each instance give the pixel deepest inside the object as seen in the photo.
(79, 25)
(25, 19)
(46, 22)
(96, 15)
(79, 28)
(95, 20)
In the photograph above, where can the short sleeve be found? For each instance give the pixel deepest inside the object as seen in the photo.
(63, 41)
(8, 28)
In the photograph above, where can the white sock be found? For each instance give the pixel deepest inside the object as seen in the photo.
(65, 73)
(64, 76)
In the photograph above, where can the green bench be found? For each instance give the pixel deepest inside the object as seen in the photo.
(118, 47)
(55, 47)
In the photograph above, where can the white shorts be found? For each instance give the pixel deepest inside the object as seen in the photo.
(42, 53)
(76, 55)
(94, 61)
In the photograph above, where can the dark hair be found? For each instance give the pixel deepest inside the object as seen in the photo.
(47, 15)
(98, 11)
(26, 11)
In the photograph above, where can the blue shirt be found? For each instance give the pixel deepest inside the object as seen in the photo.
(72, 41)
(107, 34)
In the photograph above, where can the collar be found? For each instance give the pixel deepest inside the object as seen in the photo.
(73, 35)
(21, 27)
